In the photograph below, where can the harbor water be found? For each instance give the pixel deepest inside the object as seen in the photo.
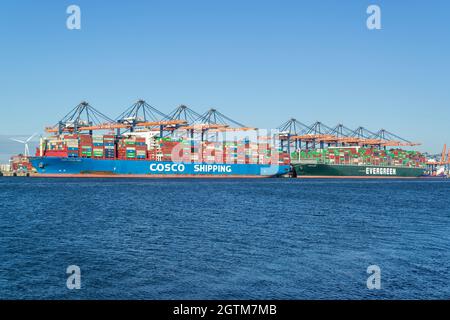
(224, 238)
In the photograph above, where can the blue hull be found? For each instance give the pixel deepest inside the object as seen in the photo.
(75, 166)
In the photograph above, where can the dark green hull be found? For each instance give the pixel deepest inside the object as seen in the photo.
(336, 170)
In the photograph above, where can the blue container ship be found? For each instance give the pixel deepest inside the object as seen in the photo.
(145, 154)
(86, 167)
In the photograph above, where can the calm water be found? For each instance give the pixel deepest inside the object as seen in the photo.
(224, 239)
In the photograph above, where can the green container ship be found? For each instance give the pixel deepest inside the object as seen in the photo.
(322, 170)
(357, 162)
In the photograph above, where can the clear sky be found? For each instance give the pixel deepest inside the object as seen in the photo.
(259, 62)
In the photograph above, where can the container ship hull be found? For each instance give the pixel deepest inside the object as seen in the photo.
(88, 167)
(308, 170)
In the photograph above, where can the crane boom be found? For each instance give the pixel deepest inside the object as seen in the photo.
(110, 126)
(318, 137)
(160, 123)
(369, 141)
(233, 129)
(104, 126)
(204, 126)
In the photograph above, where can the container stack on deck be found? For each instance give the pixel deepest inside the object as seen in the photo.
(365, 156)
(55, 147)
(86, 146)
(242, 151)
(126, 148)
(97, 146)
(134, 147)
(213, 152)
(109, 146)
(72, 145)
(165, 148)
(141, 148)
(230, 152)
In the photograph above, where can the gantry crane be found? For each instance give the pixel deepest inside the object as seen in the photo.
(393, 139)
(366, 137)
(182, 113)
(214, 121)
(191, 117)
(84, 117)
(141, 114)
(293, 127)
(318, 132)
(288, 130)
(345, 136)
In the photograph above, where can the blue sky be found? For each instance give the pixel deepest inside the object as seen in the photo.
(259, 62)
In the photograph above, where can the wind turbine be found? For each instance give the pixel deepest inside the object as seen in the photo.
(25, 142)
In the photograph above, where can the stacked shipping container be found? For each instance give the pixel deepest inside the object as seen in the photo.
(363, 156)
(97, 146)
(71, 142)
(86, 146)
(164, 149)
(109, 146)
(141, 148)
